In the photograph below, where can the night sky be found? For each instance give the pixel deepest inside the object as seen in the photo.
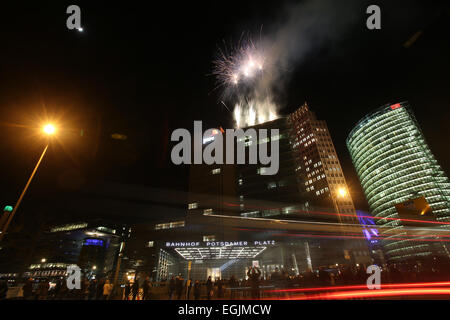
(143, 71)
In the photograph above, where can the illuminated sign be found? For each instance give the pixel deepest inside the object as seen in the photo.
(93, 242)
(8, 208)
(220, 243)
(396, 106)
(367, 222)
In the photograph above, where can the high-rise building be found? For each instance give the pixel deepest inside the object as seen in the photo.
(309, 185)
(396, 168)
(309, 176)
(317, 164)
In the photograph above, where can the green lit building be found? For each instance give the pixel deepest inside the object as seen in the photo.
(396, 167)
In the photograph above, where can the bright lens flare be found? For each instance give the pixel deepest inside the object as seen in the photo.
(342, 192)
(49, 129)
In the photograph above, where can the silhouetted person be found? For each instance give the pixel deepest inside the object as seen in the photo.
(107, 290)
(171, 287)
(324, 277)
(197, 290)
(146, 288)
(395, 275)
(209, 288)
(179, 286)
(309, 279)
(135, 289)
(43, 290)
(254, 274)
(219, 283)
(99, 293)
(28, 289)
(233, 287)
(92, 289)
(127, 290)
(188, 288)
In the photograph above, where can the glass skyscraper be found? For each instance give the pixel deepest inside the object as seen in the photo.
(395, 165)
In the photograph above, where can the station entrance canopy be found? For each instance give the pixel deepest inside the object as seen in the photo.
(206, 250)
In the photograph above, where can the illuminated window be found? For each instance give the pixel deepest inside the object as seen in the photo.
(169, 225)
(216, 171)
(193, 205)
(150, 244)
(209, 238)
(208, 211)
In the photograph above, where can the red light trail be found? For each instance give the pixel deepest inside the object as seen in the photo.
(349, 292)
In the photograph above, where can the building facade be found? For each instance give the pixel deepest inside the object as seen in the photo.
(309, 185)
(395, 165)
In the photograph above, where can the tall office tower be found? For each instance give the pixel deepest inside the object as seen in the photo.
(401, 179)
(309, 178)
(317, 164)
(270, 195)
(309, 185)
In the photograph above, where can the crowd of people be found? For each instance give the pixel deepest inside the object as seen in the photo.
(254, 286)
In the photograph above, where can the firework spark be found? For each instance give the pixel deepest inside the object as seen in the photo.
(240, 74)
(239, 64)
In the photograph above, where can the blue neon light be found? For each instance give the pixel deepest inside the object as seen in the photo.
(366, 221)
(93, 242)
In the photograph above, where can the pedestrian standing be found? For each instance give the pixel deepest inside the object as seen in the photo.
(197, 290)
(85, 289)
(233, 287)
(107, 290)
(146, 289)
(219, 288)
(135, 289)
(179, 286)
(99, 293)
(209, 288)
(188, 288)
(43, 288)
(254, 274)
(28, 289)
(127, 290)
(92, 288)
(171, 287)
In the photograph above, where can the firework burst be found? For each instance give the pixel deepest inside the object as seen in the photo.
(239, 66)
(240, 72)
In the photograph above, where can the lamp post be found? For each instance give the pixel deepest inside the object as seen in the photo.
(340, 193)
(49, 130)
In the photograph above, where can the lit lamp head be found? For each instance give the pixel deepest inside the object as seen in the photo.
(49, 129)
(342, 192)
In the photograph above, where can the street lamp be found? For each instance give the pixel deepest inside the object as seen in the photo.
(43, 260)
(49, 129)
(342, 192)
